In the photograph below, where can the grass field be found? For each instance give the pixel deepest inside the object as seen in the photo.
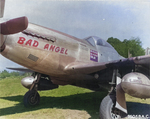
(66, 102)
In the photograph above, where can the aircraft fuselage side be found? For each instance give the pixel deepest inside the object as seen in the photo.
(48, 51)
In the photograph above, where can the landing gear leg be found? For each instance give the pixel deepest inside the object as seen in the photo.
(32, 97)
(107, 107)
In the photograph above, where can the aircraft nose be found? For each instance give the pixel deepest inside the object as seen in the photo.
(14, 26)
(11, 27)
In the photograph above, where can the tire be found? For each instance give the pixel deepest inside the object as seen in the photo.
(29, 100)
(106, 108)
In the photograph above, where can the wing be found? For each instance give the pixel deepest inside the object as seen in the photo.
(87, 68)
(91, 67)
(23, 69)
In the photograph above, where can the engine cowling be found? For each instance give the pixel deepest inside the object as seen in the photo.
(136, 85)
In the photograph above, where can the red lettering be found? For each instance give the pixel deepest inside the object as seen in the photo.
(57, 49)
(52, 47)
(66, 51)
(29, 42)
(36, 43)
(62, 50)
(21, 40)
(46, 46)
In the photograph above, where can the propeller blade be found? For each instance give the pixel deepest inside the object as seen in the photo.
(14, 26)
(2, 4)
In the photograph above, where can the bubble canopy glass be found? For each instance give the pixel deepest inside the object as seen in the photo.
(96, 41)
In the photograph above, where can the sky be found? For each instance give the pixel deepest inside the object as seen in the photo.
(118, 18)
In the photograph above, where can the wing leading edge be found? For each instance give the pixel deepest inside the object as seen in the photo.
(23, 69)
(91, 67)
(87, 68)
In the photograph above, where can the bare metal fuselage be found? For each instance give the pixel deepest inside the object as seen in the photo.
(48, 51)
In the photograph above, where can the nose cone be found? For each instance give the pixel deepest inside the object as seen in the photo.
(136, 85)
(27, 81)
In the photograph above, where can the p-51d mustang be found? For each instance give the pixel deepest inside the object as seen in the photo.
(56, 58)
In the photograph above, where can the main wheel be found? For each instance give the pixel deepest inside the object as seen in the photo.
(107, 109)
(31, 98)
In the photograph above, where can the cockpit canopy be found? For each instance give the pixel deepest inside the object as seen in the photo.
(96, 41)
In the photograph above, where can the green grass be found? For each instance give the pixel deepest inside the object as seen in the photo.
(66, 102)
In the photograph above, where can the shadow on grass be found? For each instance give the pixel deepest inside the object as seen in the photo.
(135, 108)
(89, 102)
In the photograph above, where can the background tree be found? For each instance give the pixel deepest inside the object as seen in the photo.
(132, 46)
(118, 45)
(4, 74)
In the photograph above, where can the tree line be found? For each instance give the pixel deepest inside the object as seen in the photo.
(5, 74)
(127, 48)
